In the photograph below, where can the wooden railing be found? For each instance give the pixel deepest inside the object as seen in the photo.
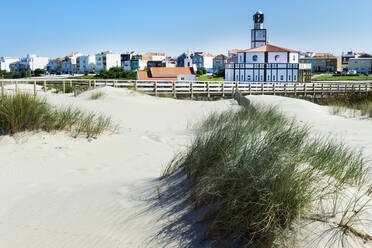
(203, 88)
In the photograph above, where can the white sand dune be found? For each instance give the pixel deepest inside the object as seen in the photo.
(57, 191)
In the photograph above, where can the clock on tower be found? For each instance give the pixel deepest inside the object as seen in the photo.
(258, 34)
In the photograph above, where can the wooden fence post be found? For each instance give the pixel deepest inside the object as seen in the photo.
(16, 87)
(360, 92)
(322, 91)
(71, 82)
(63, 86)
(45, 86)
(174, 89)
(35, 91)
(155, 89)
(262, 88)
(135, 85)
(223, 89)
(94, 84)
(2, 88)
(250, 89)
(191, 91)
(295, 89)
(313, 90)
(208, 90)
(274, 89)
(285, 89)
(304, 90)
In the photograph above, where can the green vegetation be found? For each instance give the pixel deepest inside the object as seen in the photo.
(38, 72)
(59, 88)
(353, 102)
(96, 95)
(201, 71)
(258, 173)
(24, 112)
(342, 77)
(14, 75)
(113, 73)
(209, 78)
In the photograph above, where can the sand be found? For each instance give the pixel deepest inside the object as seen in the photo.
(58, 191)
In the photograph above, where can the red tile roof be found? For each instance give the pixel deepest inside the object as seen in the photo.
(72, 54)
(234, 51)
(323, 55)
(156, 54)
(269, 48)
(164, 73)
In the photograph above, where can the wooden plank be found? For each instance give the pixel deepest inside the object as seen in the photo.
(63, 86)
(45, 86)
(2, 88)
(35, 90)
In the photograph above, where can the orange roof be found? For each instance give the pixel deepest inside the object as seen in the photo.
(234, 51)
(156, 54)
(269, 48)
(72, 54)
(323, 55)
(171, 71)
(164, 73)
(145, 75)
(14, 63)
(206, 55)
(61, 59)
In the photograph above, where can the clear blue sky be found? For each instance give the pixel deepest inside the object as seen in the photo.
(56, 28)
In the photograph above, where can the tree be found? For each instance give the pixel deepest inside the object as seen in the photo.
(201, 71)
(38, 72)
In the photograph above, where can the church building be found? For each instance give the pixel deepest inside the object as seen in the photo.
(263, 62)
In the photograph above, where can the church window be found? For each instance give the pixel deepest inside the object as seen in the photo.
(294, 78)
(256, 77)
(261, 78)
(277, 57)
(249, 77)
(273, 78)
(289, 78)
(281, 77)
(254, 58)
(294, 57)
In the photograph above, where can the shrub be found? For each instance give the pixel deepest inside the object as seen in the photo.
(24, 112)
(262, 172)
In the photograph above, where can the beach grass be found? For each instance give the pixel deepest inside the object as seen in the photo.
(24, 112)
(262, 172)
(97, 95)
(356, 104)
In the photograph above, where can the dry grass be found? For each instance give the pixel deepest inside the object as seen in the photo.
(97, 95)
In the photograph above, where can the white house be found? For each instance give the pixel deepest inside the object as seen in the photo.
(203, 60)
(263, 62)
(156, 56)
(70, 64)
(5, 62)
(86, 63)
(32, 62)
(107, 60)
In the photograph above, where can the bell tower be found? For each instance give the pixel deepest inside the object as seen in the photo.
(258, 34)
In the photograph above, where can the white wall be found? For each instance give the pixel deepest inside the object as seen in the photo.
(283, 57)
(5, 62)
(293, 58)
(260, 57)
(186, 77)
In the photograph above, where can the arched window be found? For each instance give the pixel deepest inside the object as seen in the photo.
(255, 58)
(277, 58)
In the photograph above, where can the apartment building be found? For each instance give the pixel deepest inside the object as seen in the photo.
(86, 63)
(361, 65)
(107, 60)
(5, 63)
(219, 62)
(322, 62)
(30, 62)
(205, 60)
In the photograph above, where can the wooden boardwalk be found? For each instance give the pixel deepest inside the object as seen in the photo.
(316, 89)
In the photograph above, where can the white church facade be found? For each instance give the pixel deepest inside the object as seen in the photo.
(263, 62)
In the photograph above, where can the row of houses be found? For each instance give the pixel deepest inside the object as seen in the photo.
(326, 62)
(79, 63)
